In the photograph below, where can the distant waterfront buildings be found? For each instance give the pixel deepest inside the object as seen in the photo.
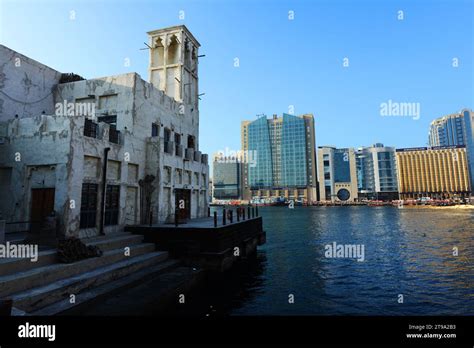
(439, 172)
(377, 172)
(285, 164)
(337, 174)
(227, 177)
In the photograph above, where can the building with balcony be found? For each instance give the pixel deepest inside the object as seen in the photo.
(377, 173)
(438, 172)
(122, 150)
(283, 156)
(337, 174)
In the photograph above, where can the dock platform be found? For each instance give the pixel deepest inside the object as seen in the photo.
(198, 242)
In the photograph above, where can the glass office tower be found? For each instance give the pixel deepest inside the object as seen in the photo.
(259, 141)
(284, 149)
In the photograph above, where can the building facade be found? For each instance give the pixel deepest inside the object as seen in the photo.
(452, 130)
(468, 116)
(377, 172)
(337, 174)
(447, 131)
(227, 178)
(283, 157)
(131, 160)
(439, 172)
(27, 89)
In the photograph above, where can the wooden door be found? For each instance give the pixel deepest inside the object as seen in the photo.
(42, 204)
(183, 204)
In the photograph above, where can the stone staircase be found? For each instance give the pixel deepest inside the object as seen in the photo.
(45, 287)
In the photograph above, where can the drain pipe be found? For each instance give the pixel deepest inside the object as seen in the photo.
(104, 186)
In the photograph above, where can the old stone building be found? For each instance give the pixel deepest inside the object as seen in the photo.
(106, 152)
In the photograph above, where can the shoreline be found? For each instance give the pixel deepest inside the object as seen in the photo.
(457, 206)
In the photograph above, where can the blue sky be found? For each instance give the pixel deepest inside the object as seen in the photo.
(283, 62)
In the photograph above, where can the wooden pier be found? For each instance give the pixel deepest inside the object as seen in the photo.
(203, 243)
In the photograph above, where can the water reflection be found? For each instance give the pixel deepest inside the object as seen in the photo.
(407, 251)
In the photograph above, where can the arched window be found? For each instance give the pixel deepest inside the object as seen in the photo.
(158, 53)
(173, 50)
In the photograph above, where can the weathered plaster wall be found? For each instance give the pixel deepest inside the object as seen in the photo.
(38, 152)
(26, 86)
(55, 153)
(153, 106)
(138, 105)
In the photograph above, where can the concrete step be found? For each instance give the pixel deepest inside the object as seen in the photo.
(99, 293)
(48, 257)
(60, 291)
(16, 237)
(35, 277)
(115, 242)
(107, 236)
(152, 296)
(14, 265)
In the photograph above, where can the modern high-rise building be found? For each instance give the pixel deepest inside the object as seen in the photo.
(337, 174)
(376, 172)
(469, 131)
(447, 131)
(438, 172)
(455, 129)
(227, 177)
(283, 157)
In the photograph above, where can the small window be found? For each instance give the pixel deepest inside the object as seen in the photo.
(112, 199)
(167, 143)
(191, 142)
(155, 130)
(110, 119)
(167, 175)
(177, 143)
(90, 128)
(177, 139)
(167, 134)
(196, 178)
(88, 206)
(178, 176)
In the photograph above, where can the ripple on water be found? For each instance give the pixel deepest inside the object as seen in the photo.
(408, 251)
